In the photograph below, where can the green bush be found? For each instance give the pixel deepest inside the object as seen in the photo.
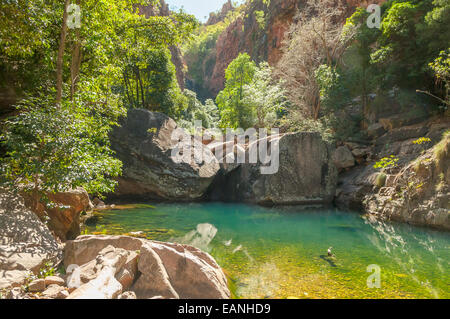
(53, 148)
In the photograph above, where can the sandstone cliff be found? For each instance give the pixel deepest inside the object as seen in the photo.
(259, 31)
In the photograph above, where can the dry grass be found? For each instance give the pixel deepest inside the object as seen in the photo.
(442, 150)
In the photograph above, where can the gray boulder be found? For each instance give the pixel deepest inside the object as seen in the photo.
(306, 175)
(144, 144)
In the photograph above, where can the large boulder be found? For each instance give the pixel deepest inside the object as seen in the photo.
(163, 269)
(343, 158)
(144, 144)
(306, 175)
(64, 215)
(26, 244)
(192, 273)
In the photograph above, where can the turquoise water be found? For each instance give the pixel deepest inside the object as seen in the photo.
(282, 253)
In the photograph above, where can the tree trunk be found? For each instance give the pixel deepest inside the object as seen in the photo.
(142, 88)
(76, 64)
(60, 58)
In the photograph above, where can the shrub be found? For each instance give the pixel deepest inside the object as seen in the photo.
(54, 148)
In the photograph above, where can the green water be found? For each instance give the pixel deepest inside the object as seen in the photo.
(282, 253)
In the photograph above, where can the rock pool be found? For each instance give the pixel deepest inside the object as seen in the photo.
(282, 252)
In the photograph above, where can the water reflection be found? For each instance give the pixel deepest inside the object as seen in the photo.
(200, 237)
(397, 244)
(283, 253)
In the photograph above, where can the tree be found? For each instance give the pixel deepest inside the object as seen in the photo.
(264, 97)
(55, 147)
(357, 57)
(441, 68)
(60, 57)
(208, 113)
(149, 81)
(233, 111)
(59, 139)
(314, 40)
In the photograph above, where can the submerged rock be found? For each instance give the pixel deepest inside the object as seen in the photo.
(144, 144)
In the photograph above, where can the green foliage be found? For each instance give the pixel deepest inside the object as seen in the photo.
(413, 34)
(116, 56)
(333, 95)
(422, 140)
(200, 54)
(53, 149)
(260, 19)
(28, 40)
(387, 162)
(264, 97)
(441, 68)
(47, 270)
(150, 82)
(251, 98)
(233, 112)
(207, 113)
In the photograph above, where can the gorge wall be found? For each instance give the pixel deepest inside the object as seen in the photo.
(258, 31)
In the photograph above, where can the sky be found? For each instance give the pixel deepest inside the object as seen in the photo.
(199, 8)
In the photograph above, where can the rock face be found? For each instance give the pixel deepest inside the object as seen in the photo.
(245, 34)
(343, 158)
(306, 175)
(26, 244)
(416, 189)
(161, 270)
(144, 144)
(419, 193)
(64, 218)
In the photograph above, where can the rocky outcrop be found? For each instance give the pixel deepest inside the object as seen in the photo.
(160, 269)
(216, 17)
(26, 244)
(414, 190)
(419, 193)
(63, 217)
(306, 175)
(245, 34)
(144, 144)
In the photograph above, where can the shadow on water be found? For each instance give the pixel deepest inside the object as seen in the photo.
(328, 260)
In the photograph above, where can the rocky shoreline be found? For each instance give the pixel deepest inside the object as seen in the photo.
(415, 190)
